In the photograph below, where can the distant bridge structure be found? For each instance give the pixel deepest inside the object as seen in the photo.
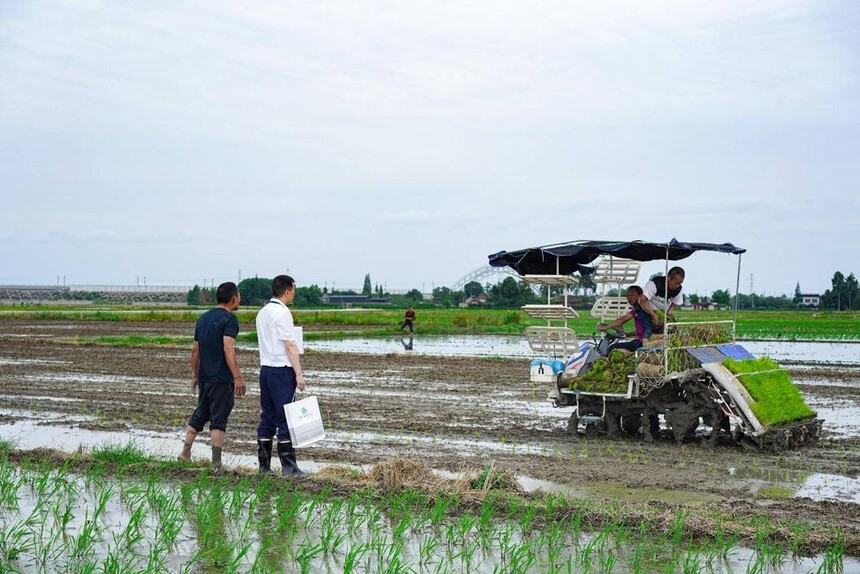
(128, 294)
(483, 275)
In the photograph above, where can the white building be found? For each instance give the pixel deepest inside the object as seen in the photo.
(810, 300)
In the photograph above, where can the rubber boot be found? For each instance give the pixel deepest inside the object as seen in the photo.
(287, 454)
(264, 454)
(217, 467)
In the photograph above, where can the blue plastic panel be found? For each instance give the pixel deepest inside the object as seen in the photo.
(707, 355)
(735, 351)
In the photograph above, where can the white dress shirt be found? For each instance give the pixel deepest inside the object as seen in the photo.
(274, 329)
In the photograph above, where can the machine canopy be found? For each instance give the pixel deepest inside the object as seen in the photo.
(567, 258)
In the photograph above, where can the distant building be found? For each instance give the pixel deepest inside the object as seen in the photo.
(349, 300)
(474, 301)
(810, 300)
(705, 304)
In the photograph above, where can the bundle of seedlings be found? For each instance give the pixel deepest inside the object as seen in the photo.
(688, 335)
(776, 399)
(607, 374)
(487, 478)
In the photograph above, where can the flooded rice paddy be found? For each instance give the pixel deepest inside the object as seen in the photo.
(453, 402)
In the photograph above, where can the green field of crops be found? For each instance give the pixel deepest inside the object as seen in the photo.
(330, 323)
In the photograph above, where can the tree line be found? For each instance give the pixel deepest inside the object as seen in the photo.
(511, 293)
(508, 293)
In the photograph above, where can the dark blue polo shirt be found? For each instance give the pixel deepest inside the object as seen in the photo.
(212, 327)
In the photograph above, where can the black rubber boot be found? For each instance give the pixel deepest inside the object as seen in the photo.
(264, 454)
(287, 454)
(217, 467)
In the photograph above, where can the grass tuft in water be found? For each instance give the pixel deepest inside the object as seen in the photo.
(121, 454)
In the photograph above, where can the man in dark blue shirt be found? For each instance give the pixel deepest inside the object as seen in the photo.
(215, 371)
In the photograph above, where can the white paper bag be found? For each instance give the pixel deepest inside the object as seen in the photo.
(304, 421)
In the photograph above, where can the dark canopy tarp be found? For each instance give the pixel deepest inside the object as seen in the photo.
(567, 258)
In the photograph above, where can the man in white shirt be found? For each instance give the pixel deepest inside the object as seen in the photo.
(663, 294)
(280, 375)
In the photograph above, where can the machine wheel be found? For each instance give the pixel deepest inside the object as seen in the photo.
(595, 429)
(630, 424)
(573, 423)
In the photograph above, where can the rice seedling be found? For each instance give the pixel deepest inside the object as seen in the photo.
(82, 546)
(120, 454)
(692, 563)
(427, 547)
(520, 559)
(440, 507)
(676, 534)
(832, 562)
(775, 398)
(265, 526)
(353, 555)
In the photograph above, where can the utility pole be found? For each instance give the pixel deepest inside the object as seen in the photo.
(752, 292)
(240, 276)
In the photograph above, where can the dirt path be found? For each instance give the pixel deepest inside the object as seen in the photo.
(449, 412)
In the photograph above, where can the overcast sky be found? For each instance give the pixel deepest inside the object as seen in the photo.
(179, 141)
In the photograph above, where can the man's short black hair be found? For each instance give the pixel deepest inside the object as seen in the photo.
(636, 289)
(676, 271)
(225, 292)
(281, 284)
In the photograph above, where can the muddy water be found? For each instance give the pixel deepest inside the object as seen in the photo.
(789, 352)
(162, 525)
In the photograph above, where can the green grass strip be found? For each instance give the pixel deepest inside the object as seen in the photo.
(121, 454)
(777, 398)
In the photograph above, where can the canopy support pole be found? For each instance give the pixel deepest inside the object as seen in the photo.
(737, 299)
(666, 315)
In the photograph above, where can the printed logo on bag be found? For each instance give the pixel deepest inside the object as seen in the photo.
(304, 411)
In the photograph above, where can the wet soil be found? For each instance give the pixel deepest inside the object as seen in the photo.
(449, 412)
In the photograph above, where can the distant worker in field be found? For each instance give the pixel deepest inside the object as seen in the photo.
(660, 294)
(215, 372)
(409, 320)
(280, 376)
(634, 292)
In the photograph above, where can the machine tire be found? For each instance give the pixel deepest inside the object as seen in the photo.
(631, 424)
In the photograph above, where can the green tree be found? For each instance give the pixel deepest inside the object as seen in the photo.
(196, 296)
(310, 295)
(526, 293)
(414, 295)
(797, 294)
(586, 284)
(843, 293)
(853, 290)
(508, 293)
(721, 297)
(441, 295)
(367, 289)
(473, 289)
(255, 291)
(694, 299)
(193, 297)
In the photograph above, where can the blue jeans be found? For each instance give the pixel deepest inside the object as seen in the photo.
(647, 324)
(277, 388)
